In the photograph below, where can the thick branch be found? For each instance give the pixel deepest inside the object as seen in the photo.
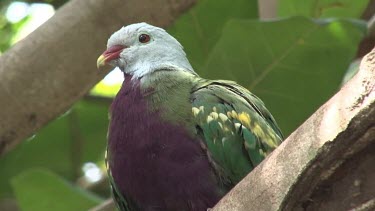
(43, 75)
(317, 150)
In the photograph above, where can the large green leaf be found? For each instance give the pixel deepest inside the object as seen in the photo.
(199, 29)
(93, 125)
(62, 146)
(294, 64)
(322, 8)
(42, 190)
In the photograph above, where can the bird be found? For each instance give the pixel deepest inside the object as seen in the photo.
(177, 141)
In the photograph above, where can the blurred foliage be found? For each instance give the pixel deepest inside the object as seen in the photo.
(201, 27)
(56, 194)
(105, 90)
(9, 30)
(62, 146)
(293, 63)
(322, 8)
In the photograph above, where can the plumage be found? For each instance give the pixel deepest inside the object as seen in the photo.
(177, 141)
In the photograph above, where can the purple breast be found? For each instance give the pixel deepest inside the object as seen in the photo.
(155, 164)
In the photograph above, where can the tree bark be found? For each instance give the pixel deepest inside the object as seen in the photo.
(44, 74)
(326, 164)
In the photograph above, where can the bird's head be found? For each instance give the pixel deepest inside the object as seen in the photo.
(140, 49)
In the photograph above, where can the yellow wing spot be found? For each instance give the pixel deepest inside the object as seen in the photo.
(214, 109)
(234, 114)
(258, 131)
(229, 114)
(209, 119)
(271, 134)
(271, 140)
(244, 118)
(223, 117)
(195, 111)
(214, 115)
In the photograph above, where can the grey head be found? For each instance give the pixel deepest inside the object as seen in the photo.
(139, 49)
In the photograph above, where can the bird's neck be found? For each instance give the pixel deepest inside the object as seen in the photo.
(164, 60)
(167, 92)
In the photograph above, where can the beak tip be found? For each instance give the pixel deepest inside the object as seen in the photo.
(101, 61)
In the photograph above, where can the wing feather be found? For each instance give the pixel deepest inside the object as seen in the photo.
(237, 129)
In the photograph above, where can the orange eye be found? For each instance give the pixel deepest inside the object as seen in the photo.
(144, 38)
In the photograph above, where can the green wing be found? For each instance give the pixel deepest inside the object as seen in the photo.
(237, 129)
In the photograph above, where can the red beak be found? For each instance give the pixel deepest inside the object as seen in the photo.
(110, 54)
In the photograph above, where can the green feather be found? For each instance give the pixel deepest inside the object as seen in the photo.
(238, 130)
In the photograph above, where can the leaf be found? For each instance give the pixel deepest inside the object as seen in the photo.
(77, 137)
(322, 8)
(42, 190)
(293, 65)
(105, 90)
(10, 30)
(199, 29)
(93, 125)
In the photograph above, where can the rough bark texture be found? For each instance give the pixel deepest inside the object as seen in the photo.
(43, 75)
(326, 164)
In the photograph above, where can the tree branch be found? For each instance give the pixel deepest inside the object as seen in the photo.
(34, 90)
(320, 150)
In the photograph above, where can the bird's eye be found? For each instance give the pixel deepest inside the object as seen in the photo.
(144, 38)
